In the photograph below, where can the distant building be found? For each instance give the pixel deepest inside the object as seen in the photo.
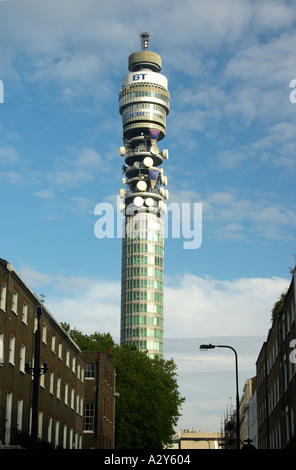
(191, 439)
(248, 391)
(66, 402)
(252, 419)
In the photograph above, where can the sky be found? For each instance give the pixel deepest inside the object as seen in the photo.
(230, 133)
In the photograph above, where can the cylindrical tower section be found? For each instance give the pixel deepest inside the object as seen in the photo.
(144, 103)
(144, 99)
(142, 283)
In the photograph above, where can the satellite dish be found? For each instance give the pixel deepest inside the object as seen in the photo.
(148, 161)
(149, 202)
(122, 192)
(136, 164)
(138, 201)
(165, 154)
(162, 206)
(122, 151)
(141, 185)
(154, 149)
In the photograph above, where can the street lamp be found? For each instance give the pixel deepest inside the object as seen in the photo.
(205, 347)
(36, 371)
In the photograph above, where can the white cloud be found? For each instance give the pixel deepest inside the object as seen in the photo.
(45, 194)
(273, 15)
(77, 167)
(11, 177)
(233, 214)
(93, 305)
(8, 154)
(196, 306)
(83, 205)
(34, 278)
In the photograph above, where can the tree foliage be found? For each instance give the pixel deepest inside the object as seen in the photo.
(278, 306)
(94, 342)
(148, 406)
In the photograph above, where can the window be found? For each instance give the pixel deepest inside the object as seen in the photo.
(59, 388)
(19, 421)
(57, 430)
(3, 297)
(89, 413)
(72, 398)
(11, 349)
(49, 429)
(71, 438)
(25, 312)
(53, 343)
(40, 424)
(68, 358)
(74, 364)
(77, 403)
(51, 382)
(44, 333)
(65, 436)
(1, 348)
(66, 393)
(60, 351)
(8, 417)
(22, 357)
(90, 371)
(42, 380)
(14, 301)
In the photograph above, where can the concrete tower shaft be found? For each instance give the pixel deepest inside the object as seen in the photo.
(144, 103)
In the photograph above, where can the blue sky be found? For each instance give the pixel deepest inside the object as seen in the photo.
(231, 141)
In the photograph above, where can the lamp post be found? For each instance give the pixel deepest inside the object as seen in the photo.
(36, 371)
(205, 347)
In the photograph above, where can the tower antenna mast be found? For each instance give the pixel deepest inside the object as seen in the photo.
(145, 41)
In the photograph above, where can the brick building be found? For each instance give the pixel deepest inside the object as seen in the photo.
(64, 392)
(276, 379)
(99, 401)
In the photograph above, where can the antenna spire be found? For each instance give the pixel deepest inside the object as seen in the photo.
(144, 41)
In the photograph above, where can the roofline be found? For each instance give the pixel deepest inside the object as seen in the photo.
(38, 302)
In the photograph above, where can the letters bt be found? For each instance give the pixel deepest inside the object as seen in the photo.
(139, 76)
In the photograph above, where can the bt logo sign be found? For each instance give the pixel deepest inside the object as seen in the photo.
(139, 76)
